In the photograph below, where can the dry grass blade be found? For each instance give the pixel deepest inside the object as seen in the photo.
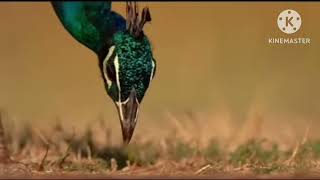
(42, 137)
(89, 152)
(293, 155)
(64, 157)
(45, 141)
(177, 152)
(204, 168)
(8, 166)
(41, 166)
(4, 152)
(306, 133)
(67, 153)
(179, 127)
(298, 145)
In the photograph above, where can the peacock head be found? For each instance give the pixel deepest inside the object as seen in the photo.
(128, 69)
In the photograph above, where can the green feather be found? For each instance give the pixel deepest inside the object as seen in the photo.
(91, 23)
(135, 63)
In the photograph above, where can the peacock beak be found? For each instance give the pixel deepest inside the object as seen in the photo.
(128, 112)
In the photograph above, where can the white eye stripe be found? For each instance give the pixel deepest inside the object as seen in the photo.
(152, 72)
(109, 82)
(116, 66)
(111, 50)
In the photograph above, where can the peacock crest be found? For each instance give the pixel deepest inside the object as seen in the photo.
(135, 23)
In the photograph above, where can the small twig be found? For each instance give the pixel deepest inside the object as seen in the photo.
(203, 168)
(60, 163)
(306, 134)
(41, 166)
(298, 145)
(46, 142)
(293, 155)
(67, 153)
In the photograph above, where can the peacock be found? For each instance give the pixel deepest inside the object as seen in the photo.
(123, 50)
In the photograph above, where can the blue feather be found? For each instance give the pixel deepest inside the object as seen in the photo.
(91, 23)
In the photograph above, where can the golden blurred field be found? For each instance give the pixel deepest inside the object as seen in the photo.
(223, 99)
(188, 148)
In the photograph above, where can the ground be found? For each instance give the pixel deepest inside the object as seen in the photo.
(60, 152)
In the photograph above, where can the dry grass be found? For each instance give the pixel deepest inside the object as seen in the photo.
(195, 145)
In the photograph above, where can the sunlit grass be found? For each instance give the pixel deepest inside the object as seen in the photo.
(182, 151)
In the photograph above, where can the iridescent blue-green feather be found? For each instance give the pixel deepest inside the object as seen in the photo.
(91, 23)
(135, 67)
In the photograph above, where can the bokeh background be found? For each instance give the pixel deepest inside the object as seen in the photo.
(212, 57)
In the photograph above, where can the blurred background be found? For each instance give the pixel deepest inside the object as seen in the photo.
(213, 59)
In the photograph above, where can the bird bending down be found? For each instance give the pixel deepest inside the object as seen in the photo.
(124, 52)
